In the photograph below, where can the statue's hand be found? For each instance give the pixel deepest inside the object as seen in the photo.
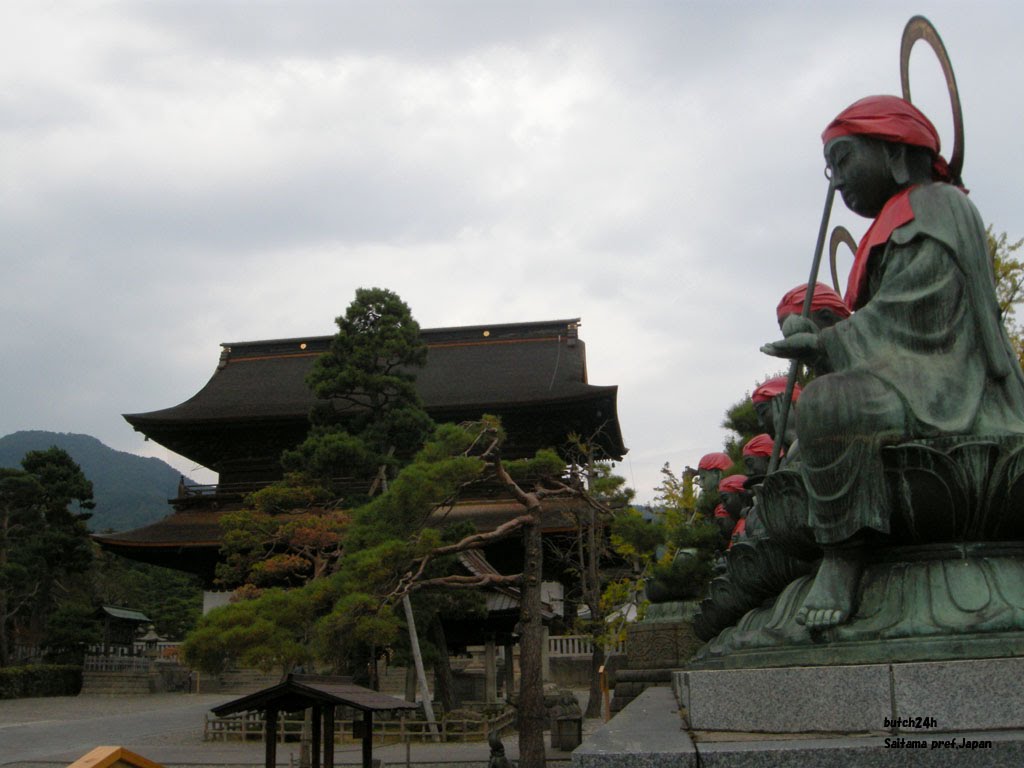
(796, 324)
(799, 346)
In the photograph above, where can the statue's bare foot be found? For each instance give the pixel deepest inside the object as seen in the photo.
(831, 598)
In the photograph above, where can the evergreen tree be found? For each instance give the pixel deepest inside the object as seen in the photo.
(370, 415)
(44, 543)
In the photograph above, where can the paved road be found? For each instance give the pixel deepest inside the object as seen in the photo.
(62, 729)
(168, 728)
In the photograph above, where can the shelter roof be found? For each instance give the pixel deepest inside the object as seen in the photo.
(297, 692)
(469, 371)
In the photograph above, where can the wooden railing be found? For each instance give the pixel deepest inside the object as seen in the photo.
(250, 725)
(579, 645)
(117, 664)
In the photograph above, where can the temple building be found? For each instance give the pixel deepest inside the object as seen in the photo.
(256, 405)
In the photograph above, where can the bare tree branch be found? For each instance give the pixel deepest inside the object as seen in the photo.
(478, 540)
(473, 541)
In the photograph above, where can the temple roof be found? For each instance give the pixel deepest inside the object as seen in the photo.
(185, 541)
(503, 369)
(190, 540)
(201, 528)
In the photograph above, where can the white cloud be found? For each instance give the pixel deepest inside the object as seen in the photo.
(174, 175)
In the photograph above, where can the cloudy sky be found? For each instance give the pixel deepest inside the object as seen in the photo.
(178, 174)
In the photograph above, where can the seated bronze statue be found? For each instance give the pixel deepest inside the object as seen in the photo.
(827, 306)
(736, 500)
(756, 453)
(710, 469)
(923, 355)
(827, 309)
(768, 400)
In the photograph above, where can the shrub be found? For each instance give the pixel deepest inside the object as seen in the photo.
(40, 680)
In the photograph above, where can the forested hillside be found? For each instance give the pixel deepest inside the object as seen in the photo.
(130, 491)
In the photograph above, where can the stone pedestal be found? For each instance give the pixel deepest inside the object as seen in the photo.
(973, 695)
(663, 642)
(915, 714)
(660, 644)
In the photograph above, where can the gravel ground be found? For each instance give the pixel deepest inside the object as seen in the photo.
(168, 728)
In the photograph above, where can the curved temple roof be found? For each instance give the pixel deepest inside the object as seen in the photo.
(532, 374)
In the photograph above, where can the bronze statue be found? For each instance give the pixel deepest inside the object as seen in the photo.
(756, 453)
(827, 308)
(924, 355)
(768, 399)
(736, 500)
(710, 469)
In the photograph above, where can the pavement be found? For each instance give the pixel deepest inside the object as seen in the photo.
(168, 729)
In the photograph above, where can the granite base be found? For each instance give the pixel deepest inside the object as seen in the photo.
(971, 695)
(651, 733)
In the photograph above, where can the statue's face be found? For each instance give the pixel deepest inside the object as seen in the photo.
(777, 404)
(763, 409)
(733, 503)
(822, 318)
(756, 465)
(861, 170)
(709, 479)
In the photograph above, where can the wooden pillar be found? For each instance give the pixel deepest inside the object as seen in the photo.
(510, 670)
(545, 657)
(490, 671)
(317, 731)
(410, 682)
(329, 736)
(367, 739)
(271, 738)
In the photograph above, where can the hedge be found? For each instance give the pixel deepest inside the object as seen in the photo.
(40, 680)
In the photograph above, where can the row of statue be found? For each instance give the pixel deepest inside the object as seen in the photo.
(910, 434)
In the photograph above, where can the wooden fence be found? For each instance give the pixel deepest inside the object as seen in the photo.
(578, 645)
(250, 725)
(118, 664)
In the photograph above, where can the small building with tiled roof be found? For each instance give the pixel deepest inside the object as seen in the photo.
(121, 626)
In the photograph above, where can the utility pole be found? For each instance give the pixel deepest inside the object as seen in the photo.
(421, 675)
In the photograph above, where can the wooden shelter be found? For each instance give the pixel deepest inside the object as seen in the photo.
(321, 694)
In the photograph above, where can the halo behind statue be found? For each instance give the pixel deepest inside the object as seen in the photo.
(919, 28)
(840, 235)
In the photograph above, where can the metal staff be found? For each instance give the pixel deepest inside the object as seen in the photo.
(794, 366)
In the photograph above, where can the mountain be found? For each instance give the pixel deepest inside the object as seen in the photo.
(130, 491)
